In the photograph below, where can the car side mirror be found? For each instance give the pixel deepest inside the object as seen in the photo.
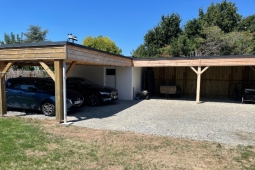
(32, 89)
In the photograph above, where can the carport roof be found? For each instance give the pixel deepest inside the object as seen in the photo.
(31, 53)
(47, 52)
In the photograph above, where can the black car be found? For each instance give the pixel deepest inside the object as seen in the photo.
(37, 94)
(93, 93)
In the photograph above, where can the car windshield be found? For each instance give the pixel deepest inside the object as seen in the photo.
(86, 82)
(44, 84)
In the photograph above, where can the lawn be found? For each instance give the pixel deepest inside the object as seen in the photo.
(44, 144)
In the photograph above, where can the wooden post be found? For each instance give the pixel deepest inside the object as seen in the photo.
(3, 107)
(198, 72)
(59, 107)
(198, 84)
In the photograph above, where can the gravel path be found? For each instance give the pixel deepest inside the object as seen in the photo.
(230, 123)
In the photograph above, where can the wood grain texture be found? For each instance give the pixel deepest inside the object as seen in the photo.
(33, 53)
(194, 61)
(3, 107)
(47, 69)
(59, 107)
(97, 58)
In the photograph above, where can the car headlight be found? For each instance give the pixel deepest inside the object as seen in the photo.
(105, 93)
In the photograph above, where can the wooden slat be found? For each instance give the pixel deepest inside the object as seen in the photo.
(192, 61)
(47, 69)
(70, 68)
(59, 107)
(33, 53)
(96, 57)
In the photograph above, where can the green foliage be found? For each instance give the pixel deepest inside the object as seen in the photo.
(35, 34)
(142, 51)
(11, 39)
(218, 31)
(247, 24)
(160, 36)
(224, 15)
(102, 43)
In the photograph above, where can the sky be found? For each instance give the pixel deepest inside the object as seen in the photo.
(123, 21)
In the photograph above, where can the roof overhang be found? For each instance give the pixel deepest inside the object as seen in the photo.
(235, 60)
(23, 54)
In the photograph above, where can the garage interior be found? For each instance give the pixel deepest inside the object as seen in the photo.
(205, 76)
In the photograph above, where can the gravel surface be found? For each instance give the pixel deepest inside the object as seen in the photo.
(218, 121)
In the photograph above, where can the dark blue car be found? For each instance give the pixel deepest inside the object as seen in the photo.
(37, 94)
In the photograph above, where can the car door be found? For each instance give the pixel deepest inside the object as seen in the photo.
(72, 85)
(28, 95)
(12, 93)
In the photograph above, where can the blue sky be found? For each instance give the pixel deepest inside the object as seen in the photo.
(123, 21)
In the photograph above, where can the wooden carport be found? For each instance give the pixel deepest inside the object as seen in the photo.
(56, 54)
(198, 64)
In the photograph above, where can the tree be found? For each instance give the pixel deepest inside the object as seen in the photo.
(160, 36)
(219, 43)
(11, 39)
(224, 15)
(247, 24)
(35, 34)
(102, 43)
(141, 52)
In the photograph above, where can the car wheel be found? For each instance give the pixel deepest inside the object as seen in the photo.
(48, 108)
(93, 100)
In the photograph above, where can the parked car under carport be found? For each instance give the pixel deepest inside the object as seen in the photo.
(93, 93)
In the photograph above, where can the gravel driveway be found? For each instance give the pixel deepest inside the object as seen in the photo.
(223, 122)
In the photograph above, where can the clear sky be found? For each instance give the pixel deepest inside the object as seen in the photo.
(124, 21)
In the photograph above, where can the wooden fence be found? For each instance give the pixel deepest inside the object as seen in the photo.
(215, 81)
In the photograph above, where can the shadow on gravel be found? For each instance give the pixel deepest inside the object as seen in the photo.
(102, 111)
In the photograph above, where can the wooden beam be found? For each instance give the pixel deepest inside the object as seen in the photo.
(252, 68)
(70, 68)
(5, 69)
(194, 70)
(59, 107)
(47, 69)
(3, 107)
(204, 70)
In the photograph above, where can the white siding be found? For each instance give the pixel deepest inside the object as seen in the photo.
(93, 73)
(124, 83)
(137, 79)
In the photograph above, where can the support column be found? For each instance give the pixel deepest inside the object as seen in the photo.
(3, 107)
(198, 72)
(198, 84)
(59, 107)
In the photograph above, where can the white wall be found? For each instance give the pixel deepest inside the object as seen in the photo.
(93, 73)
(124, 82)
(137, 79)
(126, 78)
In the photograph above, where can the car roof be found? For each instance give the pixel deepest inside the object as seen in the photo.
(31, 78)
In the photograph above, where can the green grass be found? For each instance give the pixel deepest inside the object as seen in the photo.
(26, 144)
